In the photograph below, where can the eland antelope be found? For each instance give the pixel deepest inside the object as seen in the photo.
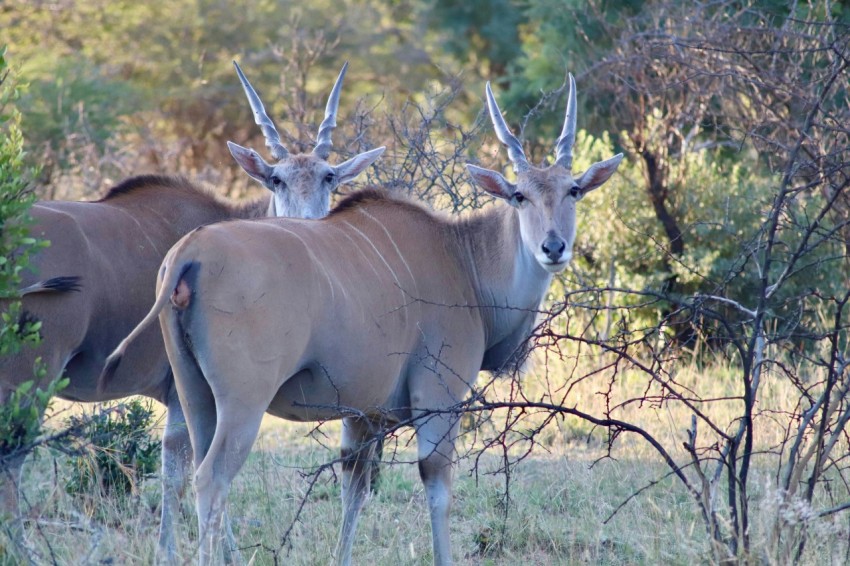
(90, 286)
(97, 280)
(301, 184)
(383, 311)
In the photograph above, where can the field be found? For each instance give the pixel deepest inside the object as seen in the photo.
(561, 499)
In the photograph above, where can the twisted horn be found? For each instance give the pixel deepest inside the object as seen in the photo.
(323, 139)
(261, 118)
(564, 145)
(515, 153)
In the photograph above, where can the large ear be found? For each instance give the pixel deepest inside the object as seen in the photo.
(350, 169)
(492, 182)
(251, 162)
(598, 173)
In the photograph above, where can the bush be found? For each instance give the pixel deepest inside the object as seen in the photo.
(118, 453)
(20, 415)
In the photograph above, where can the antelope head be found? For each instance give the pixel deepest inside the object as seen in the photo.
(301, 184)
(545, 197)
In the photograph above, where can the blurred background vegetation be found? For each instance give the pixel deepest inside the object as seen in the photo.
(118, 88)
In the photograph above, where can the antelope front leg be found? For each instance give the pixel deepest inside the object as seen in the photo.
(435, 444)
(176, 462)
(357, 455)
(11, 525)
(11, 520)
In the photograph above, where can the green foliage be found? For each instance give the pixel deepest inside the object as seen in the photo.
(126, 73)
(15, 194)
(20, 415)
(154, 81)
(17, 330)
(486, 31)
(121, 452)
(77, 97)
(617, 229)
(564, 35)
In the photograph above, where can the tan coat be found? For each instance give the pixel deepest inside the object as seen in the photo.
(382, 311)
(92, 285)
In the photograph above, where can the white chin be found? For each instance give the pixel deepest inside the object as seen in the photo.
(555, 267)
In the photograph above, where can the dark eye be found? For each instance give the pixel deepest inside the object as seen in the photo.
(276, 181)
(519, 197)
(575, 191)
(330, 178)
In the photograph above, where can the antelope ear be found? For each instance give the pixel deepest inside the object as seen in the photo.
(492, 182)
(251, 162)
(598, 173)
(348, 170)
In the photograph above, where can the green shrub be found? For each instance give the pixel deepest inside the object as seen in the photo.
(16, 197)
(119, 450)
(20, 415)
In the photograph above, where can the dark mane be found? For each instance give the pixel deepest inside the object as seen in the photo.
(359, 198)
(363, 197)
(141, 182)
(251, 209)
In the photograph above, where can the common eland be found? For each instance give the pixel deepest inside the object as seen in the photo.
(97, 280)
(383, 311)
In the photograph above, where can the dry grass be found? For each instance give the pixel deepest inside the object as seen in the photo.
(560, 497)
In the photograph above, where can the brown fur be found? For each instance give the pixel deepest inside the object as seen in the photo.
(381, 312)
(138, 187)
(95, 282)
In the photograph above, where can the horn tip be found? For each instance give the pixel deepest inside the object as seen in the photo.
(343, 70)
(239, 72)
(488, 94)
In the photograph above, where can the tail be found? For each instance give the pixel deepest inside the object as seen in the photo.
(174, 269)
(53, 285)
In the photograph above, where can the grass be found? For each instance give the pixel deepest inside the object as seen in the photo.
(560, 498)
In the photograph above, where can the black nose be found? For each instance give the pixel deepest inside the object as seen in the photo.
(553, 248)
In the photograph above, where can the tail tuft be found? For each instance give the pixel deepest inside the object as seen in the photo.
(63, 284)
(54, 285)
(112, 363)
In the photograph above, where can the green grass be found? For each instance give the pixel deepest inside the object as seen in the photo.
(560, 498)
